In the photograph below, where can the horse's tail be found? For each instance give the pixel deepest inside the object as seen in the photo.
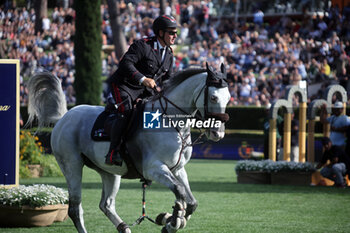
(46, 99)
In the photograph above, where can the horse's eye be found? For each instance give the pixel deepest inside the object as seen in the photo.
(214, 99)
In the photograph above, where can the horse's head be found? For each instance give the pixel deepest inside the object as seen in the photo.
(216, 98)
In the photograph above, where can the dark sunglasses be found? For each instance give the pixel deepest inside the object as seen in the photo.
(172, 32)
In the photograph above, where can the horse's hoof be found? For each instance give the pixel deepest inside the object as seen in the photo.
(163, 218)
(169, 229)
(183, 223)
(164, 230)
(123, 228)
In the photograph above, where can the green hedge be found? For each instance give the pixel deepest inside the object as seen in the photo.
(250, 118)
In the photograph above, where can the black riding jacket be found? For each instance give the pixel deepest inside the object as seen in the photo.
(142, 59)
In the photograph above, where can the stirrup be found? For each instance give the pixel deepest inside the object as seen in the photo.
(114, 158)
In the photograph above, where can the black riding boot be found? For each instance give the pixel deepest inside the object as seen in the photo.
(118, 126)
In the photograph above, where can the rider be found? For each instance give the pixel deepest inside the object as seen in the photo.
(147, 63)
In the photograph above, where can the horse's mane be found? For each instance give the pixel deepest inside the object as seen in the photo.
(181, 76)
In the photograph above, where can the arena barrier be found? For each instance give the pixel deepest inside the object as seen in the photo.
(312, 109)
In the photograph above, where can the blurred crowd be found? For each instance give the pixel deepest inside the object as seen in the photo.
(51, 50)
(262, 57)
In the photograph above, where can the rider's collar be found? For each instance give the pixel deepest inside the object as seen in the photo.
(157, 45)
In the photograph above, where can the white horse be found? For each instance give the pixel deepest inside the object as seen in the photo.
(163, 153)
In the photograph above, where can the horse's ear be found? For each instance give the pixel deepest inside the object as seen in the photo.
(209, 68)
(223, 68)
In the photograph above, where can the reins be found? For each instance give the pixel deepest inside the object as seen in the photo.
(184, 145)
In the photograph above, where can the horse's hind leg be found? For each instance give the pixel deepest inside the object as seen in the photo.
(72, 169)
(111, 185)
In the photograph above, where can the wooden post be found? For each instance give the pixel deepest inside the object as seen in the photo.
(287, 136)
(326, 128)
(311, 142)
(272, 140)
(302, 132)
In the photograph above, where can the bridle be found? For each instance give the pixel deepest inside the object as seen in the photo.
(213, 81)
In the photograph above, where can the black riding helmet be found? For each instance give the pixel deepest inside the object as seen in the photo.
(163, 22)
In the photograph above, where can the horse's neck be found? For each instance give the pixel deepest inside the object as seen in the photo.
(185, 93)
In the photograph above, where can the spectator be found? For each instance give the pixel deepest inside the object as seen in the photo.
(245, 90)
(46, 24)
(325, 69)
(70, 95)
(258, 17)
(268, 48)
(343, 78)
(338, 164)
(338, 122)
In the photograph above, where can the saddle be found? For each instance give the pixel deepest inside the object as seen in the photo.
(98, 133)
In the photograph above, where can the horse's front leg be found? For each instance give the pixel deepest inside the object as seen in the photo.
(192, 203)
(161, 174)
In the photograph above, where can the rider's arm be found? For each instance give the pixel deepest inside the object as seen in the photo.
(134, 54)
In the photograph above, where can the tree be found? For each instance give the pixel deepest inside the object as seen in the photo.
(119, 40)
(87, 49)
(162, 7)
(40, 7)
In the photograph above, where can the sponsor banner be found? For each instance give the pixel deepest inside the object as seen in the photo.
(9, 122)
(230, 148)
